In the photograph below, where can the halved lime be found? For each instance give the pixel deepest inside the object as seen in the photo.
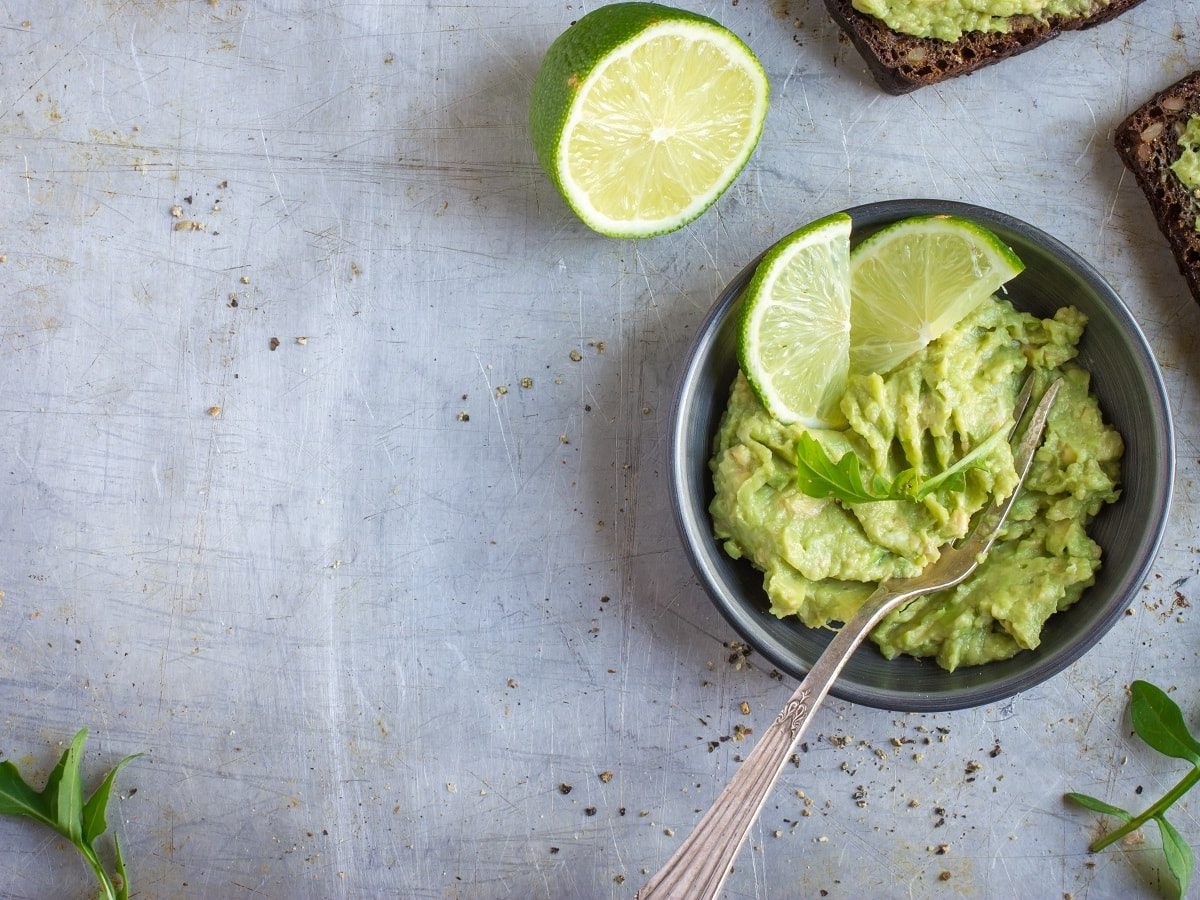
(915, 280)
(642, 115)
(794, 345)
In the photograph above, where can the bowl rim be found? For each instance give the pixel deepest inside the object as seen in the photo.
(740, 617)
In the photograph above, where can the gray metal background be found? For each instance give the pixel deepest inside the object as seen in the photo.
(362, 641)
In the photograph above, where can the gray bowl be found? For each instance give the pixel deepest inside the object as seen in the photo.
(1129, 385)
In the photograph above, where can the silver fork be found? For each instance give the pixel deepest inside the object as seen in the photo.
(698, 869)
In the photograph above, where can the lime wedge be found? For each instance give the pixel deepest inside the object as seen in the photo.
(794, 344)
(642, 115)
(915, 280)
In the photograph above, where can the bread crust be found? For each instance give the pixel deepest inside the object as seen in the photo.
(901, 63)
(1148, 142)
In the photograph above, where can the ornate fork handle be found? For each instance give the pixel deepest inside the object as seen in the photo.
(700, 866)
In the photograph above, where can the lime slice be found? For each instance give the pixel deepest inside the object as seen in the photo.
(642, 115)
(915, 280)
(794, 345)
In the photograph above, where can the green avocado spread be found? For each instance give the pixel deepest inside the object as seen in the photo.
(948, 19)
(821, 557)
(1187, 167)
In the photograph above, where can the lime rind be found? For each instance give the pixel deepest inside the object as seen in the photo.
(794, 339)
(915, 280)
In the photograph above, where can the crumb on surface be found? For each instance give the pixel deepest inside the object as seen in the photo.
(274, 343)
(214, 411)
(738, 655)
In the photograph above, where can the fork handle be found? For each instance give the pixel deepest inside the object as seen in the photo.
(698, 869)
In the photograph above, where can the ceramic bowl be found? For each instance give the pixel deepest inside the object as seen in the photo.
(1132, 397)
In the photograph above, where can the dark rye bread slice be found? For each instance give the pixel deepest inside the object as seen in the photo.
(903, 63)
(1148, 141)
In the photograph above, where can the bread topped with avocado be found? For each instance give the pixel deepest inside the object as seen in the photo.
(908, 44)
(1160, 144)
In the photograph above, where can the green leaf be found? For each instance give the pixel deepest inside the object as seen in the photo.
(94, 822)
(1099, 806)
(18, 799)
(1177, 852)
(60, 806)
(63, 793)
(906, 483)
(1158, 721)
(954, 479)
(819, 476)
(123, 890)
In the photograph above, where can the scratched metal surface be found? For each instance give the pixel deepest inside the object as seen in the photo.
(357, 620)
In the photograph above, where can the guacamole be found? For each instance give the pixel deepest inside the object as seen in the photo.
(947, 19)
(1187, 167)
(821, 558)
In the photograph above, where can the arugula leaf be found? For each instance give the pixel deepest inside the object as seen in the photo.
(955, 477)
(1177, 852)
(1158, 721)
(819, 476)
(1099, 806)
(59, 805)
(19, 799)
(94, 822)
(64, 791)
(123, 890)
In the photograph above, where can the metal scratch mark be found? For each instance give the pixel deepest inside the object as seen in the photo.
(137, 64)
(508, 455)
(271, 169)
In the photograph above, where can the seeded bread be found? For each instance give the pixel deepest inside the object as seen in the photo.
(1148, 142)
(903, 63)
